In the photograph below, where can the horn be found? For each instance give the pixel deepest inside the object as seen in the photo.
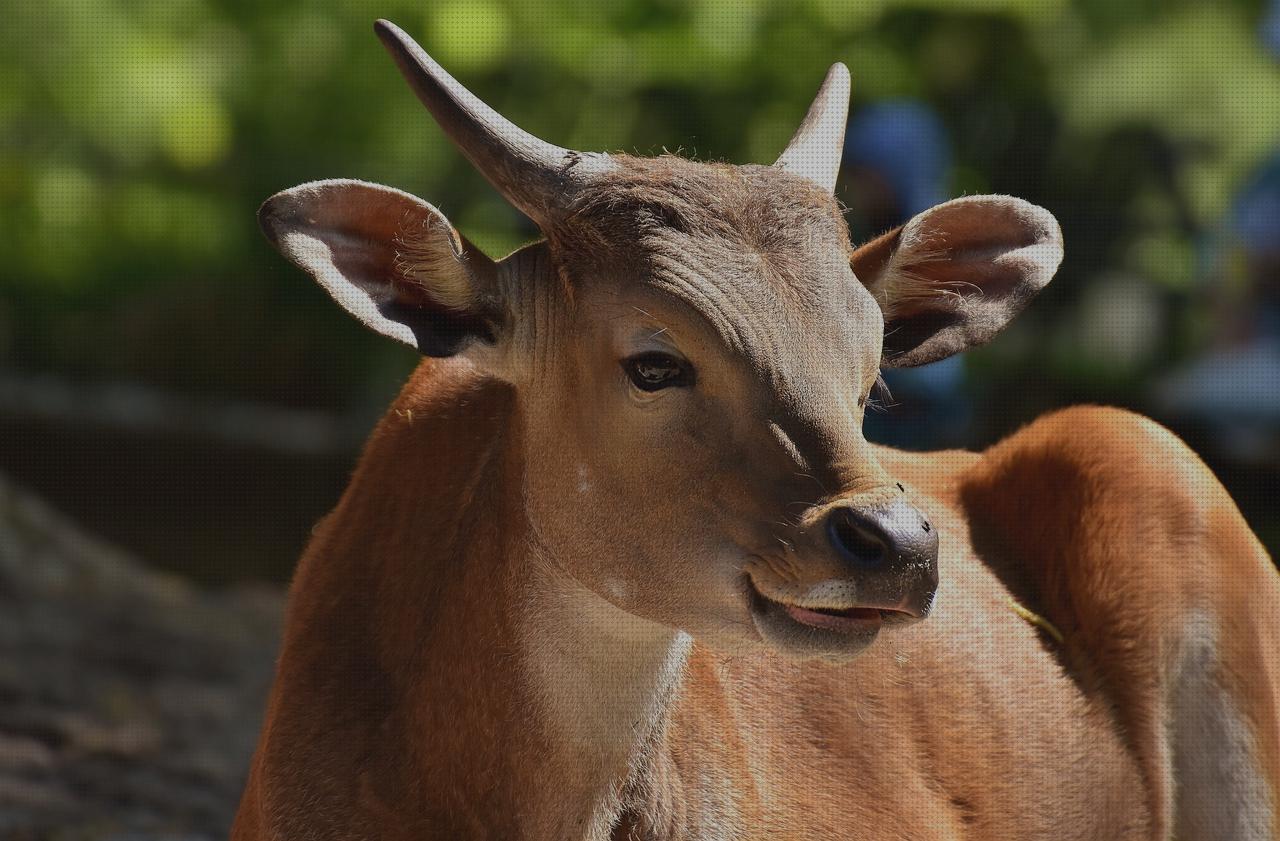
(815, 149)
(535, 176)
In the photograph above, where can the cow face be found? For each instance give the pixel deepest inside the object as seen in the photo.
(693, 346)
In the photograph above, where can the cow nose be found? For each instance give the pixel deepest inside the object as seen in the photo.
(892, 548)
(896, 532)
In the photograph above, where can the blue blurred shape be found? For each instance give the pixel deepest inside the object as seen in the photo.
(1269, 29)
(1256, 211)
(906, 142)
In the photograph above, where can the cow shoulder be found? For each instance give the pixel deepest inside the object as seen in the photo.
(1110, 527)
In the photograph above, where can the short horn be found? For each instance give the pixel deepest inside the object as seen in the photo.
(815, 149)
(535, 176)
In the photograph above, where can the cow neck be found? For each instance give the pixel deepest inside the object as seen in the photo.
(509, 675)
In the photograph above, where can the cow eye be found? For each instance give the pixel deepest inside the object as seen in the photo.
(656, 371)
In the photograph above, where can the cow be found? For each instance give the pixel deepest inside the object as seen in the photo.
(620, 564)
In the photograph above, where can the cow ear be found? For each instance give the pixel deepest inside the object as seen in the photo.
(391, 260)
(953, 276)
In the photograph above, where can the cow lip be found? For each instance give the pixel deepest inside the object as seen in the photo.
(848, 619)
(854, 619)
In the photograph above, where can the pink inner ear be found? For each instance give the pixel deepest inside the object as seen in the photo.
(364, 261)
(971, 250)
(948, 283)
(387, 244)
(987, 225)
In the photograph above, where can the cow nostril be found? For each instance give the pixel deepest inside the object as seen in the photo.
(856, 540)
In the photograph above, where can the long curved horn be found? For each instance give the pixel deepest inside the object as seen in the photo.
(816, 147)
(532, 174)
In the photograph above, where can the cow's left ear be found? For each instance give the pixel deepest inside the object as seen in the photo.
(954, 275)
(391, 260)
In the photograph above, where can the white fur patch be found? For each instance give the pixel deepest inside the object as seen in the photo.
(604, 675)
(1222, 794)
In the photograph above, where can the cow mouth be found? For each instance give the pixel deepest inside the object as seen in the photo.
(845, 619)
(852, 618)
(823, 630)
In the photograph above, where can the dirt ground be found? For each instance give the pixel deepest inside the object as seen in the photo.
(129, 700)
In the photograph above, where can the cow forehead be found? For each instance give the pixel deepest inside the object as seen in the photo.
(761, 254)
(763, 304)
(763, 206)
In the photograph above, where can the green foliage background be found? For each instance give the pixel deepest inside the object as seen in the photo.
(138, 137)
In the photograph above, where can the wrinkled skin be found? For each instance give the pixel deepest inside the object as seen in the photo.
(673, 495)
(621, 564)
(687, 504)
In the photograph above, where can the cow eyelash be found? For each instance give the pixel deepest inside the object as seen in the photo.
(655, 371)
(879, 398)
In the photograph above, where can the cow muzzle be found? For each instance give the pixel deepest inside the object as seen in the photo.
(859, 568)
(892, 552)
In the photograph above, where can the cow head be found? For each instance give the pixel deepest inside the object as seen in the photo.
(693, 345)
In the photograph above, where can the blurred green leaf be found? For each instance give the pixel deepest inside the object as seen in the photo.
(138, 137)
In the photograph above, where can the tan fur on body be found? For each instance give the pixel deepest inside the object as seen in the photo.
(407, 627)
(620, 563)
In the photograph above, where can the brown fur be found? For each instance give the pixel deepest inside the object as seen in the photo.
(560, 601)
(397, 710)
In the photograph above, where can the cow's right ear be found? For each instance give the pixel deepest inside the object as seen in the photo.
(391, 260)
